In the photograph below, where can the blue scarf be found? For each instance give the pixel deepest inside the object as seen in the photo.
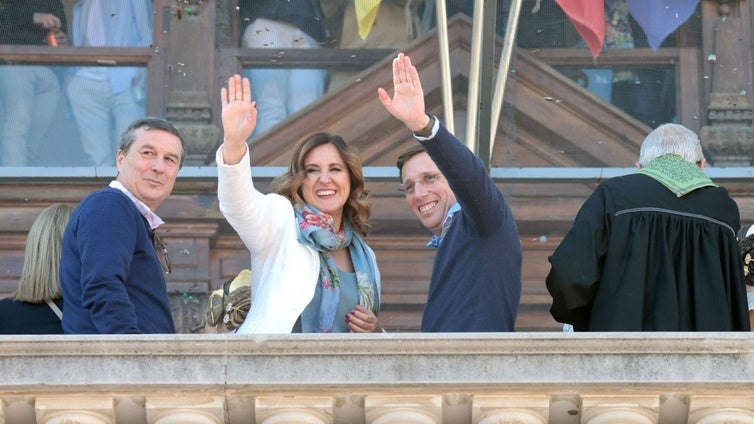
(315, 229)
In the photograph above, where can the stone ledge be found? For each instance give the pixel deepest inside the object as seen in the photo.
(399, 359)
(432, 378)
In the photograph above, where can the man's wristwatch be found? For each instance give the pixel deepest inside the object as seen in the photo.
(426, 132)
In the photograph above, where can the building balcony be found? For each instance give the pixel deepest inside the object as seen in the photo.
(383, 378)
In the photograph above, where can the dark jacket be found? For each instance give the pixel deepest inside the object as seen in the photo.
(29, 318)
(110, 275)
(639, 258)
(16, 20)
(476, 276)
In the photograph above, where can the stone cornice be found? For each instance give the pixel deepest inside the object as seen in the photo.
(396, 377)
(400, 359)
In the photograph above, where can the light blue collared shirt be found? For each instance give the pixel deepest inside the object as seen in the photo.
(436, 240)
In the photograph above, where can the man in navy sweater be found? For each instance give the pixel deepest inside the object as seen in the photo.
(476, 277)
(112, 270)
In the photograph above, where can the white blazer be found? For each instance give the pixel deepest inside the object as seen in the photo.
(284, 272)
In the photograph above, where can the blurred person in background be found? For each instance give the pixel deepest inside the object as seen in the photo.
(30, 93)
(105, 100)
(275, 24)
(373, 24)
(35, 307)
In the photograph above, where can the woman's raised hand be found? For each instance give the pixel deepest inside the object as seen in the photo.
(239, 117)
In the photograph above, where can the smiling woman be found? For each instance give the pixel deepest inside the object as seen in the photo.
(312, 271)
(321, 163)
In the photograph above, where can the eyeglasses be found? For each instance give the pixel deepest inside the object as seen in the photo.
(162, 254)
(426, 181)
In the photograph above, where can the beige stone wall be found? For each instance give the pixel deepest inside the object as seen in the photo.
(385, 378)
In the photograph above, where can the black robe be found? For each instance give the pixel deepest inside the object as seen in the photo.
(639, 258)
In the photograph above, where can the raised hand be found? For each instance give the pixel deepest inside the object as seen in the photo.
(61, 39)
(46, 20)
(239, 117)
(407, 103)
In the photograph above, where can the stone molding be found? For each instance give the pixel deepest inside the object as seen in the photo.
(383, 378)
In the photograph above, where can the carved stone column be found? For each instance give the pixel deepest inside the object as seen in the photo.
(190, 73)
(728, 136)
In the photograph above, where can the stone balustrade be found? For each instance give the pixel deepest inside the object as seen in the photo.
(522, 378)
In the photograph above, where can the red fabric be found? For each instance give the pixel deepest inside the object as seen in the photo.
(588, 17)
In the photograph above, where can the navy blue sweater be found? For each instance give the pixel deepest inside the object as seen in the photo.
(111, 279)
(476, 277)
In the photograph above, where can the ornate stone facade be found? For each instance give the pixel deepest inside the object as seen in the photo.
(697, 378)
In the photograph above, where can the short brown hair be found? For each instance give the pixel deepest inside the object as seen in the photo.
(412, 151)
(150, 123)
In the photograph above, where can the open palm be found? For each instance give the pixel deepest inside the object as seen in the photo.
(239, 114)
(407, 103)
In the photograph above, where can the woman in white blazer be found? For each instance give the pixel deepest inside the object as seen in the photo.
(311, 269)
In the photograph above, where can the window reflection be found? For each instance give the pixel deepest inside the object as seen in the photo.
(54, 134)
(647, 93)
(30, 95)
(105, 100)
(272, 25)
(78, 112)
(70, 115)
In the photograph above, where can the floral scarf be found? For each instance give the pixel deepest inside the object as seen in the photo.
(315, 229)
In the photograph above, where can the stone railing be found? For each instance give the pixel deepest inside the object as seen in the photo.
(385, 378)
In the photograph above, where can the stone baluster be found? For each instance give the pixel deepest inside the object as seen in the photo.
(510, 409)
(294, 409)
(185, 409)
(721, 409)
(80, 410)
(620, 409)
(403, 409)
